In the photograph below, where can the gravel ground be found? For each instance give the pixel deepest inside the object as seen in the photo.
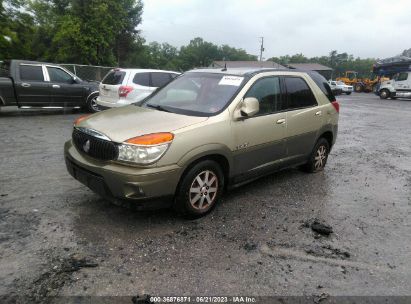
(59, 238)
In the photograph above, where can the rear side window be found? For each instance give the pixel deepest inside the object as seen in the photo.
(322, 83)
(114, 77)
(142, 79)
(160, 79)
(268, 93)
(31, 72)
(299, 94)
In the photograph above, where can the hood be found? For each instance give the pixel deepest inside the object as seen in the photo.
(120, 124)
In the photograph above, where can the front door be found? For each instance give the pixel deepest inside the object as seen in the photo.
(31, 87)
(402, 83)
(64, 90)
(260, 139)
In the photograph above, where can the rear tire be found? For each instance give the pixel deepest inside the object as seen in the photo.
(318, 157)
(92, 105)
(199, 189)
(348, 93)
(384, 94)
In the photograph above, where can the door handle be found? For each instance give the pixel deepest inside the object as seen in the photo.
(26, 85)
(280, 121)
(56, 86)
(318, 113)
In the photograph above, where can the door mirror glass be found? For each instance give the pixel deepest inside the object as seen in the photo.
(249, 107)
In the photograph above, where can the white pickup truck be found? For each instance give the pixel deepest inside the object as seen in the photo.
(397, 87)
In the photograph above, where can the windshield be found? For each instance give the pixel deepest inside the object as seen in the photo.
(199, 94)
(340, 83)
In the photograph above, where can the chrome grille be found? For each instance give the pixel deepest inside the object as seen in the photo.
(94, 147)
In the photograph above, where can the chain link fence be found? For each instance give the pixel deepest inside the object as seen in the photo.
(87, 72)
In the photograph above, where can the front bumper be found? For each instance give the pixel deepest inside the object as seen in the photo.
(121, 182)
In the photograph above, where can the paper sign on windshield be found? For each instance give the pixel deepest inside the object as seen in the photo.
(231, 80)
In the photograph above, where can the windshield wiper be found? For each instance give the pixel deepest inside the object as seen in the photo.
(157, 107)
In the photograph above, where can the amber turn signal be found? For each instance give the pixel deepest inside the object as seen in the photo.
(80, 119)
(151, 139)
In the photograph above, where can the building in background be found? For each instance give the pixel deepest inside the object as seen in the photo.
(322, 69)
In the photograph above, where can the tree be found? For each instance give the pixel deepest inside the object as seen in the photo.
(101, 32)
(198, 53)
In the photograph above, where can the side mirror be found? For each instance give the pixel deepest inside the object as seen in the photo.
(249, 107)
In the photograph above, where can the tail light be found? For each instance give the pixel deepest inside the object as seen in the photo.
(124, 90)
(336, 106)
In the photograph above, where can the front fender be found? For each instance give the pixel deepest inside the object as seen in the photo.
(206, 150)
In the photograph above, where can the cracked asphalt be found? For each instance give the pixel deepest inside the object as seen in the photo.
(58, 238)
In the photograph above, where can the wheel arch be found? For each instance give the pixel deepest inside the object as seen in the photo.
(220, 158)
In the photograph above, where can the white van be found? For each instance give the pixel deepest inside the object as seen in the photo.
(121, 87)
(398, 86)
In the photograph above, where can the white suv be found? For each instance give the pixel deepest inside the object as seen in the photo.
(341, 86)
(124, 86)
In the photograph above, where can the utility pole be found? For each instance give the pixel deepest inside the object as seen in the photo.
(261, 48)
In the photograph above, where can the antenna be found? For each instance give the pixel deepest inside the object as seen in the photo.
(261, 48)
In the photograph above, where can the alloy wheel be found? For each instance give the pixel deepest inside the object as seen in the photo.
(203, 190)
(320, 157)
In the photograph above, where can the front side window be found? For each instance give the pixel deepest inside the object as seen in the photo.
(31, 73)
(402, 76)
(159, 79)
(58, 75)
(298, 93)
(268, 93)
(198, 94)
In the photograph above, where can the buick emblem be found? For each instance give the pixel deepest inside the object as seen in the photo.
(86, 146)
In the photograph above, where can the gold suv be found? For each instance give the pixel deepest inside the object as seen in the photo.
(204, 132)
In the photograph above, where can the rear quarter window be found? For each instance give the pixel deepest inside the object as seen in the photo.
(322, 83)
(114, 78)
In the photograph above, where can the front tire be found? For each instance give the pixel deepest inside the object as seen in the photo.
(199, 189)
(348, 93)
(318, 157)
(91, 104)
(384, 94)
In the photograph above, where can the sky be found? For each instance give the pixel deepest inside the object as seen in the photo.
(372, 29)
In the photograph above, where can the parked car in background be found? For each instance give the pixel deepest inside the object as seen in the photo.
(398, 86)
(122, 87)
(340, 87)
(39, 84)
(208, 130)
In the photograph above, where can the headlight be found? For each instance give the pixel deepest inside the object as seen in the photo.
(145, 149)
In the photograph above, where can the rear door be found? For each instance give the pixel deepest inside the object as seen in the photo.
(304, 118)
(31, 86)
(111, 84)
(64, 89)
(141, 86)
